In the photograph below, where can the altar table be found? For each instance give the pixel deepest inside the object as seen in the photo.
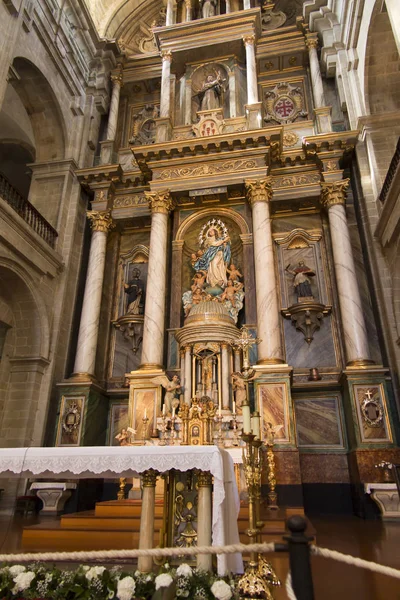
(129, 461)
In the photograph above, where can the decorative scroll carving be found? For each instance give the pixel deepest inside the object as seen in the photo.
(307, 318)
(284, 181)
(229, 166)
(284, 103)
(128, 201)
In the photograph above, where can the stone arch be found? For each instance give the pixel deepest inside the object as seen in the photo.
(382, 63)
(229, 213)
(42, 107)
(120, 20)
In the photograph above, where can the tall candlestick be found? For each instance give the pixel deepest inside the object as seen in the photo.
(246, 418)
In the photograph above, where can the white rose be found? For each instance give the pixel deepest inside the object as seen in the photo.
(16, 570)
(184, 570)
(221, 590)
(23, 581)
(163, 580)
(94, 572)
(126, 588)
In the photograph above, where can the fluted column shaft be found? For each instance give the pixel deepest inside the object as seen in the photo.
(225, 376)
(145, 563)
(251, 69)
(165, 100)
(259, 194)
(188, 4)
(85, 359)
(333, 196)
(204, 519)
(316, 78)
(153, 328)
(114, 106)
(188, 375)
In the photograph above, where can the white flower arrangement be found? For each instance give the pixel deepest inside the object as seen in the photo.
(221, 590)
(23, 581)
(184, 570)
(163, 580)
(126, 588)
(94, 572)
(16, 570)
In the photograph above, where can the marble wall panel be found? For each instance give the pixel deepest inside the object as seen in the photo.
(320, 353)
(318, 422)
(324, 468)
(362, 464)
(118, 420)
(287, 467)
(273, 405)
(123, 359)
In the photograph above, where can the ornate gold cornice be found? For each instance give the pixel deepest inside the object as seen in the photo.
(249, 40)
(100, 221)
(166, 55)
(259, 190)
(334, 192)
(160, 202)
(149, 478)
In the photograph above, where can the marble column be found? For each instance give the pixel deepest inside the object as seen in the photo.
(188, 4)
(149, 479)
(228, 6)
(323, 112)
(247, 4)
(165, 99)
(259, 194)
(101, 223)
(251, 69)
(188, 375)
(170, 12)
(176, 284)
(114, 105)
(204, 518)
(161, 204)
(225, 376)
(182, 367)
(333, 197)
(248, 277)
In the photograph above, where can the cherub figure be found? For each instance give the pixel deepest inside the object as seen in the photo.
(172, 388)
(234, 273)
(270, 432)
(229, 292)
(124, 437)
(199, 280)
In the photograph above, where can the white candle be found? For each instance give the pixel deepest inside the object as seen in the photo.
(255, 424)
(173, 412)
(234, 407)
(145, 413)
(246, 418)
(164, 410)
(219, 412)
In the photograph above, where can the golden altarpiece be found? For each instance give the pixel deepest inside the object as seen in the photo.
(222, 204)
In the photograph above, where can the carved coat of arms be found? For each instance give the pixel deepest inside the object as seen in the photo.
(284, 103)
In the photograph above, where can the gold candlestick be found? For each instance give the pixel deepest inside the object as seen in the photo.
(121, 491)
(272, 496)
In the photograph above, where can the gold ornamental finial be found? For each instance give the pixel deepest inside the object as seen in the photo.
(100, 221)
(334, 192)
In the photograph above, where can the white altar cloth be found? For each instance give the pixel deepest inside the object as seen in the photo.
(129, 461)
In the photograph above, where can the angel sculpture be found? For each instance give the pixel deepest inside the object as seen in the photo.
(270, 431)
(124, 436)
(239, 387)
(172, 388)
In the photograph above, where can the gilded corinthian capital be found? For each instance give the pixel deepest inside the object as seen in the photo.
(160, 202)
(166, 55)
(149, 478)
(311, 41)
(259, 190)
(334, 192)
(100, 221)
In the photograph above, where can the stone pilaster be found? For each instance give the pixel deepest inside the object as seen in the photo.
(333, 197)
(259, 194)
(161, 204)
(101, 223)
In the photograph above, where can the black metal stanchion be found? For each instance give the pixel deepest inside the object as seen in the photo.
(299, 558)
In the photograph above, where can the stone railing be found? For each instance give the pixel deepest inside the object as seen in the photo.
(27, 211)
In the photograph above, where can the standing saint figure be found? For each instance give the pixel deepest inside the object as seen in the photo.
(215, 259)
(301, 282)
(211, 92)
(134, 290)
(208, 9)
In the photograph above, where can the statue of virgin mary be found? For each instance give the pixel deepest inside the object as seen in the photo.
(215, 259)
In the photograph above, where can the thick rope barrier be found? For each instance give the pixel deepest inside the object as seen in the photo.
(154, 552)
(289, 589)
(355, 562)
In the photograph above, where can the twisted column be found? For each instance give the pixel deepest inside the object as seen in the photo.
(204, 518)
(161, 203)
(117, 82)
(101, 223)
(259, 195)
(149, 479)
(333, 197)
(251, 69)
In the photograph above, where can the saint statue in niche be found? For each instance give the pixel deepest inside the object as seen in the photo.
(216, 278)
(210, 95)
(135, 294)
(208, 9)
(301, 281)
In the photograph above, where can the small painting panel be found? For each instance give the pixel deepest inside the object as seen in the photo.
(119, 420)
(318, 422)
(372, 413)
(273, 403)
(144, 404)
(70, 421)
